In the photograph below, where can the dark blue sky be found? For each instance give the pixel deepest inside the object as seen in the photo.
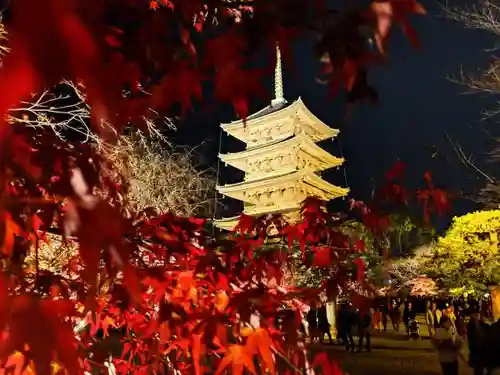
(417, 107)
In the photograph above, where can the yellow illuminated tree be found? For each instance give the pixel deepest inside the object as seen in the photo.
(467, 256)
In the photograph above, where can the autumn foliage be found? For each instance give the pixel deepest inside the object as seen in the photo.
(156, 293)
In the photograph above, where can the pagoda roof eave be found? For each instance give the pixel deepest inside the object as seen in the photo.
(259, 116)
(296, 107)
(305, 174)
(237, 159)
(227, 223)
(327, 130)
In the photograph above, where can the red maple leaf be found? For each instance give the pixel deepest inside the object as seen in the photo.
(360, 269)
(441, 201)
(48, 337)
(327, 367)
(322, 257)
(396, 172)
(180, 86)
(383, 13)
(237, 85)
(246, 225)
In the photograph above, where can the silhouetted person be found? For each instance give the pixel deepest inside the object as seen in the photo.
(312, 323)
(492, 352)
(395, 316)
(365, 330)
(324, 324)
(349, 321)
(477, 333)
(385, 316)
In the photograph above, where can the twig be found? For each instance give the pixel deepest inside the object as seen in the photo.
(467, 160)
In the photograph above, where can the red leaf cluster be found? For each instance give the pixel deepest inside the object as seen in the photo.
(162, 54)
(393, 194)
(157, 294)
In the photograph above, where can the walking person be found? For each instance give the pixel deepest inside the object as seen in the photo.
(432, 318)
(477, 333)
(324, 324)
(460, 323)
(365, 329)
(492, 352)
(401, 308)
(312, 323)
(395, 316)
(408, 316)
(340, 321)
(385, 315)
(350, 323)
(448, 345)
(376, 319)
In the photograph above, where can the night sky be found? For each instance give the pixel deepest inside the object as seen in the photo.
(417, 107)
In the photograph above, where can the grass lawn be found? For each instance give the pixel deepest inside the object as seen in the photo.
(392, 354)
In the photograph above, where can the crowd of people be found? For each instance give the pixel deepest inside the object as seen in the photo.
(451, 325)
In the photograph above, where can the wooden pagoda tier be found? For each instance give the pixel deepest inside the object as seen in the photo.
(277, 123)
(278, 158)
(286, 191)
(280, 194)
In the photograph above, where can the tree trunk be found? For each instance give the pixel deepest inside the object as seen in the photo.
(495, 301)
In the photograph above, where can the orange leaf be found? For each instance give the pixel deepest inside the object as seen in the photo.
(259, 341)
(221, 300)
(18, 363)
(238, 358)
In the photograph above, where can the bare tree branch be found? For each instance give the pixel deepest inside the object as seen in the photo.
(468, 161)
(162, 177)
(483, 16)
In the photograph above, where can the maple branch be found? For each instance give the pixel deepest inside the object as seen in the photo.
(287, 361)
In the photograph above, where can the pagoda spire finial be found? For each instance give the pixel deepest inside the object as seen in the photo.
(279, 97)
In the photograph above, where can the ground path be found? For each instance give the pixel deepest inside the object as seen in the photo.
(392, 354)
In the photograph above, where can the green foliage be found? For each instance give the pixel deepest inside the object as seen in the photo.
(356, 229)
(467, 256)
(407, 233)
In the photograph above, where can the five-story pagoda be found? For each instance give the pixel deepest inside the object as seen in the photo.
(282, 161)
